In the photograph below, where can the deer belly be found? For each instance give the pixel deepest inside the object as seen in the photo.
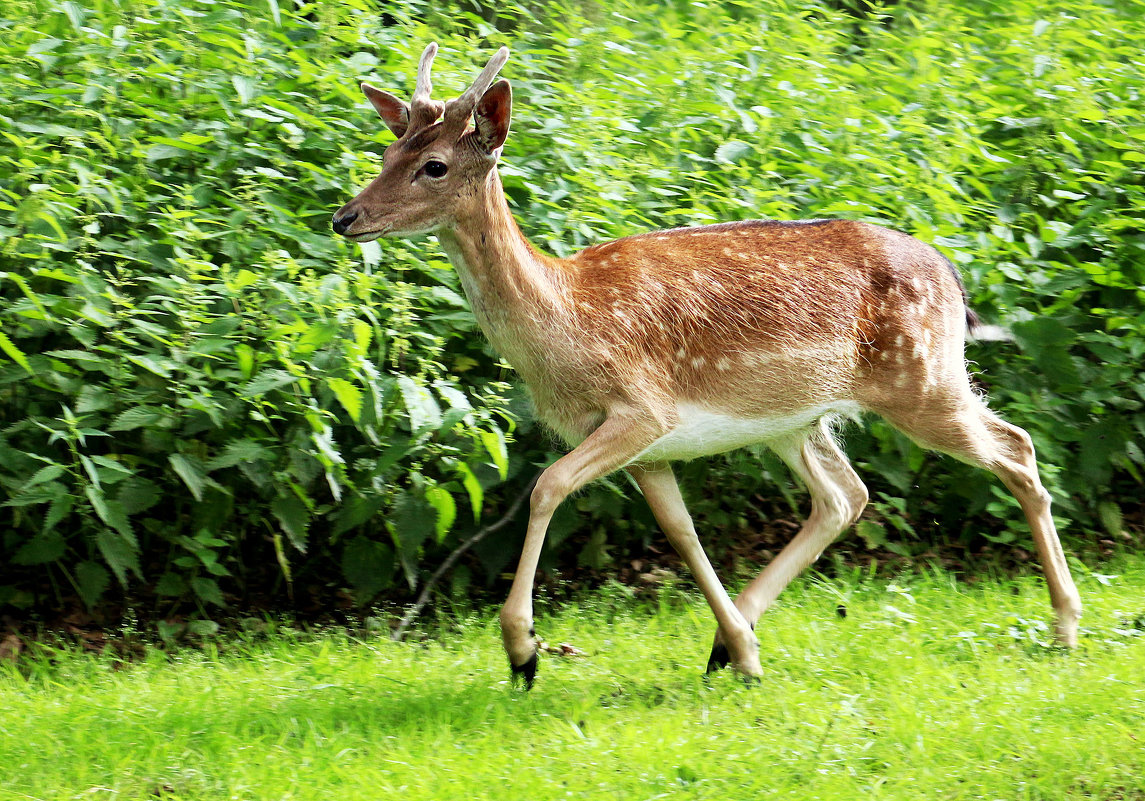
(703, 432)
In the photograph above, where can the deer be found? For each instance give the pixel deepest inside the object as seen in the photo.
(678, 344)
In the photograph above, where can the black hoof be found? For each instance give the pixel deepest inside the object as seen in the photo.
(719, 658)
(528, 671)
(752, 681)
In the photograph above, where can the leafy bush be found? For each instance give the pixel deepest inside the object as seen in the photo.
(199, 376)
(197, 380)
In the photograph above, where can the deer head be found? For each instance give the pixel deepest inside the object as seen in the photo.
(439, 162)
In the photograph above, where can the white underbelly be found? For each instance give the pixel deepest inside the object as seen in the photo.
(703, 432)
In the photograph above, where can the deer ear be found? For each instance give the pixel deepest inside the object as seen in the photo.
(492, 116)
(394, 112)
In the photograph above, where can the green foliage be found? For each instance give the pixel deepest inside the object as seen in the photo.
(195, 368)
(196, 378)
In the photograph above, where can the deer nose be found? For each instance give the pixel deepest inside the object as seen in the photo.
(340, 224)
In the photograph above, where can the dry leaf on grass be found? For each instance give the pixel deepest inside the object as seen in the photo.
(563, 649)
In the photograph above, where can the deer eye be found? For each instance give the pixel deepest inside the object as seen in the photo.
(435, 169)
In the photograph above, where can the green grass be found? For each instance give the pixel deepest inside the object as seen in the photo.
(929, 688)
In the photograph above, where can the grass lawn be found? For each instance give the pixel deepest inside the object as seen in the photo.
(928, 688)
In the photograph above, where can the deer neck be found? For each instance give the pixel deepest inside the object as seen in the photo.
(517, 294)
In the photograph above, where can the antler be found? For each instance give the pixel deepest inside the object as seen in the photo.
(423, 109)
(459, 110)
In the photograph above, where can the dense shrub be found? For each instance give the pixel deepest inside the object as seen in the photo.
(197, 380)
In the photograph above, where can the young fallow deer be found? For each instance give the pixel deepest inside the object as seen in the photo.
(694, 341)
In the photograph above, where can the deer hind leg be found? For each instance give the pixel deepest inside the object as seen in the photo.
(838, 497)
(663, 495)
(964, 428)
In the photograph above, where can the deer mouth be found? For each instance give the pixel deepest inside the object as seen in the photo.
(365, 236)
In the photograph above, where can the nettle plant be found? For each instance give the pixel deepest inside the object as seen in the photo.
(201, 397)
(217, 409)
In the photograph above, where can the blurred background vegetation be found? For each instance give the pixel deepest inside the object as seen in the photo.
(208, 402)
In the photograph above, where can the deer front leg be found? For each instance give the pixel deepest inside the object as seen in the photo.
(618, 440)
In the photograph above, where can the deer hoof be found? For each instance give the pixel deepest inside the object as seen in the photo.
(719, 657)
(527, 671)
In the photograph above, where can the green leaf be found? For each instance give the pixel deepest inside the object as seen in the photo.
(371, 253)
(207, 589)
(160, 367)
(43, 46)
(113, 470)
(732, 151)
(1048, 340)
(411, 522)
(242, 451)
(98, 502)
(171, 585)
(266, 381)
(245, 88)
(356, 511)
(874, 534)
(494, 442)
(92, 580)
(138, 417)
(1111, 518)
(293, 516)
(90, 468)
(170, 631)
(61, 506)
(245, 355)
(458, 405)
(42, 548)
(75, 14)
(44, 493)
(138, 495)
(94, 398)
(348, 395)
(363, 333)
(183, 143)
(46, 473)
(120, 554)
(422, 409)
(14, 353)
(473, 488)
(204, 628)
(368, 566)
(89, 361)
(192, 472)
(442, 502)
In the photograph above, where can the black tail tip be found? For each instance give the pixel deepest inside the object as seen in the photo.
(973, 321)
(527, 671)
(719, 658)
